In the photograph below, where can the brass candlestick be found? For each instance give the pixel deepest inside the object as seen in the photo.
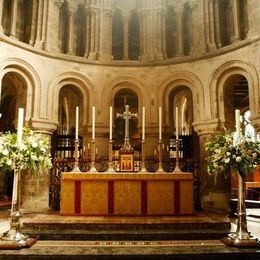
(76, 157)
(160, 168)
(110, 157)
(93, 157)
(177, 166)
(143, 169)
(14, 238)
(241, 238)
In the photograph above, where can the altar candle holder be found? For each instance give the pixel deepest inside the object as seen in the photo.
(177, 166)
(160, 168)
(76, 157)
(93, 156)
(110, 157)
(143, 169)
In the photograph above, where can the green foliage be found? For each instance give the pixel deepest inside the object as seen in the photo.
(32, 153)
(227, 151)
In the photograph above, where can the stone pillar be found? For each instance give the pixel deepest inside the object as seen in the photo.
(34, 23)
(88, 31)
(13, 19)
(236, 21)
(215, 194)
(126, 37)
(1, 16)
(209, 23)
(72, 10)
(179, 14)
(52, 41)
(217, 24)
(160, 34)
(92, 53)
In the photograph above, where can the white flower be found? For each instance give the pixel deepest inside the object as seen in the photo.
(34, 144)
(238, 159)
(9, 162)
(5, 152)
(227, 160)
(254, 155)
(228, 153)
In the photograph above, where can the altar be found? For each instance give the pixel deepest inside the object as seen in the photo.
(126, 194)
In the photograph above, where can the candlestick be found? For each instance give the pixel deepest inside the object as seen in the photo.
(93, 123)
(160, 123)
(177, 123)
(77, 123)
(110, 123)
(20, 125)
(143, 124)
(237, 113)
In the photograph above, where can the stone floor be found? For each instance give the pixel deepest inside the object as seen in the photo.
(131, 249)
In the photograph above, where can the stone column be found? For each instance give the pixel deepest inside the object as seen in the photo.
(72, 10)
(13, 19)
(1, 16)
(236, 21)
(209, 23)
(51, 43)
(38, 42)
(34, 23)
(88, 32)
(160, 35)
(179, 14)
(93, 54)
(217, 24)
(126, 37)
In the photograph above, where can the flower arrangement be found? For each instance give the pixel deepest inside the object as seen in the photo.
(31, 153)
(228, 150)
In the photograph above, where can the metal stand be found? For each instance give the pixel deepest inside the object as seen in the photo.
(14, 238)
(76, 157)
(241, 238)
(177, 167)
(160, 168)
(143, 169)
(110, 157)
(93, 157)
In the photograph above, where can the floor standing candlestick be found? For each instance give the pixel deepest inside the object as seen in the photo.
(241, 238)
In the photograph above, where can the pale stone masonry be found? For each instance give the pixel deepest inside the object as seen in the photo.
(38, 72)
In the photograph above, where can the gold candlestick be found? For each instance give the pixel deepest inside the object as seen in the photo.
(76, 157)
(160, 168)
(110, 157)
(143, 169)
(177, 167)
(93, 157)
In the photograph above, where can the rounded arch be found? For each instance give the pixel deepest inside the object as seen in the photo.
(123, 82)
(192, 82)
(220, 77)
(82, 83)
(32, 80)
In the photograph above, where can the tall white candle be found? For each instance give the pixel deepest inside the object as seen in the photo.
(77, 123)
(110, 123)
(160, 123)
(143, 124)
(237, 113)
(177, 123)
(20, 125)
(93, 123)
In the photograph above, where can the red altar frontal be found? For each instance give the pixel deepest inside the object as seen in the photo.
(122, 194)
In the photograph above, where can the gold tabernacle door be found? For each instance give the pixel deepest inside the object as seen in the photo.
(133, 194)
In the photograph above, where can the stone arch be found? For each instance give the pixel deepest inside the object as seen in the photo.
(32, 80)
(82, 83)
(190, 81)
(219, 78)
(120, 82)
